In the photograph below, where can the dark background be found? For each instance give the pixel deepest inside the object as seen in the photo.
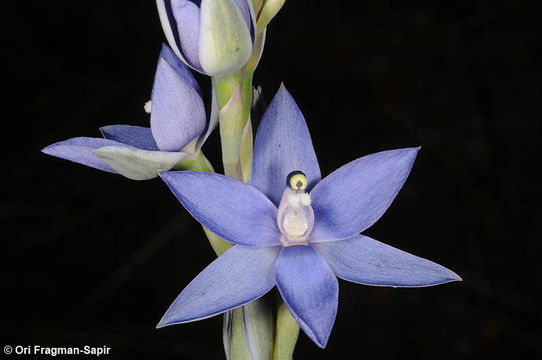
(93, 258)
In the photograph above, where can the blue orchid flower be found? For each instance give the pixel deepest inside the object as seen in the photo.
(178, 129)
(213, 37)
(295, 230)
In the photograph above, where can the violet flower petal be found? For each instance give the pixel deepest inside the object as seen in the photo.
(235, 211)
(178, 113)
(212, 122)
(366, 261)
(354, 197)
(237, 277)
(310, 291)
(80, 149)
(137, 136)
(283, 144)
(186, 15)
(172, 59)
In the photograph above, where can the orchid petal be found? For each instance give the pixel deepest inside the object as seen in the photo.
(137, 136)
(366, 261)
(283, 144)
(178, 113)
(80, 149)
(310, 291)
(169, 25)
(355, 196)
(235, 211)
(137, 164)
(186, 24)
(237, 277)
(172, 59)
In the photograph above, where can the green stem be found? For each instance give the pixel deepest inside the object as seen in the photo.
(234, 97)
(225, 86)
(247, 92)
(286, 334)
(196, 163)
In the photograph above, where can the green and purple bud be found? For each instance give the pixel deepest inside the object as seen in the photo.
(213, 37)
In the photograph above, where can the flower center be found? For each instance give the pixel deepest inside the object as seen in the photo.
(295, 222)
(295, 216)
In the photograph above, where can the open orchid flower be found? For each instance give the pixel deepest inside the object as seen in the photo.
(295, 230)
(213, 37)
(179, 127)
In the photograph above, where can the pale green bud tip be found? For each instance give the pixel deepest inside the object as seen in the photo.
(268, 12)
(225, 40)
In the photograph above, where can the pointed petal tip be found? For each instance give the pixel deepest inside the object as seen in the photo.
(47, 150)
(163, 323)
(104, 129)
(319, 339)
(414, 149)
(169, 319)
(447, 277)
(321, 342)
(160, 325)
(455, 277)
(282, 90)
(322, 345)
(52, 149)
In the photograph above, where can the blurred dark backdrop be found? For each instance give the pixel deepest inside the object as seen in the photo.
(93, 258)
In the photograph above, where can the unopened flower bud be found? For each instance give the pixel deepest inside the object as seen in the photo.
(214, 37)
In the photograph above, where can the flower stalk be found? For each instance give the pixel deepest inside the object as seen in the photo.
(248, 330)
(286, 334)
